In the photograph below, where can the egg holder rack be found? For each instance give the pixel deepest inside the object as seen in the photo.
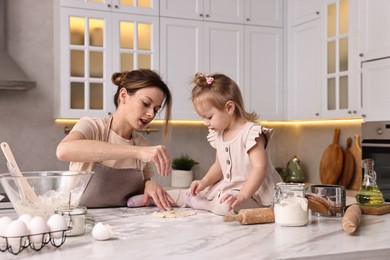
(25, 242)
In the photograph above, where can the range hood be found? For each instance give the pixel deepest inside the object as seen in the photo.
(11, 75)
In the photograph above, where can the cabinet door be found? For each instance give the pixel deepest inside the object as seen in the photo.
(224, 50)
(230, 11)
(149, 7)
(305, 71)
(188, 9)
(301, 11)
(341, 93)
(264, 12)
(135, 42)
(375, 38)
(181, 57)
(85, 67)
(376, 90)
(103, 5)
(264, 71)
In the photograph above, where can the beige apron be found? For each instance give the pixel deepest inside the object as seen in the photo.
(110, 187)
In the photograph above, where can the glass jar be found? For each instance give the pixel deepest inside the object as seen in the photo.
(75, 218)
(290, 204)
(369, 193)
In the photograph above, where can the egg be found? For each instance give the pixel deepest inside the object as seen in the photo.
(4, 223)
(17, 234)
(57, 222)
(26, 218)
(38, 229)
(101, 232)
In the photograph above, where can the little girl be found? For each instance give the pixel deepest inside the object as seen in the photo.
(242, 175)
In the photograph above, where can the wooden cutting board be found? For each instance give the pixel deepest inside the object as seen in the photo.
(331, 164)
(378, 210)
(356, 151)
(348, 165)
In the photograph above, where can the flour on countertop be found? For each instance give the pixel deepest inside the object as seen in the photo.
(173, 214)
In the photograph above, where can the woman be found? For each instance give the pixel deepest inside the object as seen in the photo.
(113, 149)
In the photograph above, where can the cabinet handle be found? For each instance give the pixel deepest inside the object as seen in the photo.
(349, 112)
(361, 55)
(248, 19)
(207, 15)
(116, 6)
(201, 15)
(317, 114)
(364, 115)
(317, 13)
(109, 113)
(109, 6)
(355, 112)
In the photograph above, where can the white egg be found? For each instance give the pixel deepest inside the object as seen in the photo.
(38, 229)
(57, 223)
(101, 232)
(4, 223)
(17, 234)
(26, 218)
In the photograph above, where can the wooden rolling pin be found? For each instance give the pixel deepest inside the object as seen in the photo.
(252, 216)
(351, 219)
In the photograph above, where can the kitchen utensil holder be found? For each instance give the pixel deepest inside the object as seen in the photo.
(25, 242)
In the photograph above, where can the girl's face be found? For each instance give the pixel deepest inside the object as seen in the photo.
(142, 106)
(214, 119)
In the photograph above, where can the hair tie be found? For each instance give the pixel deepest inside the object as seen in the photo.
(209, 79)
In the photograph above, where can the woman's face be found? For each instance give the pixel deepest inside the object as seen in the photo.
(142, 106)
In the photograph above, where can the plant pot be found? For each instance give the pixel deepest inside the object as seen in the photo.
(181, 179)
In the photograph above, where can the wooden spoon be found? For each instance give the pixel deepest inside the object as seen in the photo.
(13, 168)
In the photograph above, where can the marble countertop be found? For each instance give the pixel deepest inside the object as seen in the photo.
(137, 234)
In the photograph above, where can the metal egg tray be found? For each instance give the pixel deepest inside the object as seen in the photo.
(25, 242)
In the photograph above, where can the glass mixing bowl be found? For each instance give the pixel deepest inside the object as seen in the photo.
(40, 193)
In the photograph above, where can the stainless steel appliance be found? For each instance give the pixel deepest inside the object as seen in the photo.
(376, 145)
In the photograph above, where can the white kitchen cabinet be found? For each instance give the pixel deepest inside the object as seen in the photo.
(254, 12)
(190, 46)
(375, 37)
(302, 11)
(264, 71)
(305, 70)
(209, 10)
(264, 12)
(376, 90)
(149, 7)
(91, 46)
(324, 65)
(341, 91)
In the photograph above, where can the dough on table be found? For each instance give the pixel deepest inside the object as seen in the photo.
(174, 214)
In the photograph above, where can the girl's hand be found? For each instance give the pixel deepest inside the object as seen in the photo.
(159, 156)
(232, 200)
(160, 197)
(196, 187)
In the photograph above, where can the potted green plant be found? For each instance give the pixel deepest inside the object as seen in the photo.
(182, 174)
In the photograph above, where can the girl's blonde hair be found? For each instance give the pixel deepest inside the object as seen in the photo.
(135, 80)
(217, 89)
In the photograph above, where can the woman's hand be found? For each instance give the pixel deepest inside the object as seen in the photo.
(160, 197)
(232, 200)
(159, 156)
(197, 186)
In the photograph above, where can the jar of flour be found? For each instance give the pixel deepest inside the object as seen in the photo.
(290, 204)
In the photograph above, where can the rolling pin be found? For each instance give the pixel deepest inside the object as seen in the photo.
(252, 216)
(351, 219)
